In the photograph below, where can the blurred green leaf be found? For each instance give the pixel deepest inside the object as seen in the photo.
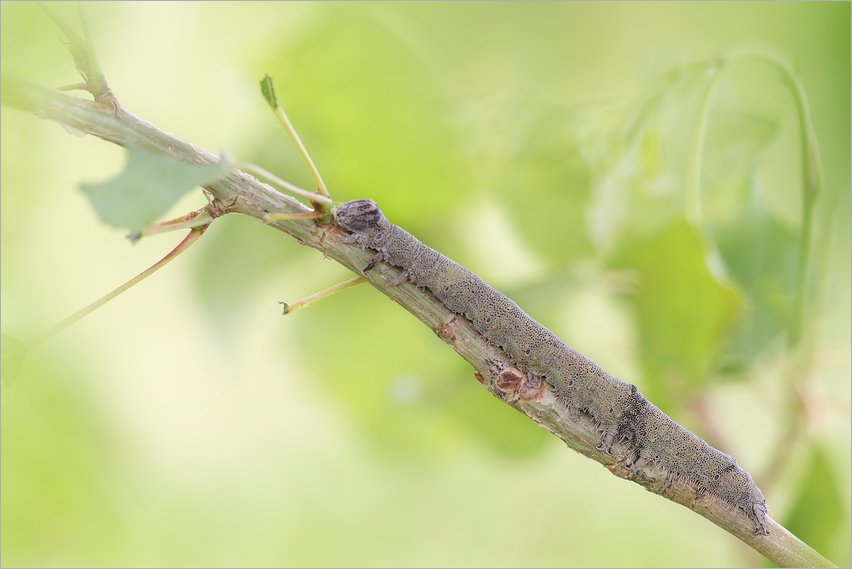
(762, 256)
(58, 459)
(740, 133)
(149, 185)
(817, 512)
(548, 163)
(683, 313)
(758, 251)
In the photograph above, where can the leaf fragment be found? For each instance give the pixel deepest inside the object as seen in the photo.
(149, 185)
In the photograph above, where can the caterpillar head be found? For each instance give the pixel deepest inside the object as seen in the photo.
(759, 510)
(359, 215)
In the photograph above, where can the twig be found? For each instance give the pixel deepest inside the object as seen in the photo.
(308, 300)
(192, 237)
(255, 199)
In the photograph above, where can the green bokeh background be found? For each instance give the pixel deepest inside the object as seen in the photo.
(549, 147)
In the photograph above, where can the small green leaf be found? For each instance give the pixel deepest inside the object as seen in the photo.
(268, 91)
(12, 354)
(149, 185)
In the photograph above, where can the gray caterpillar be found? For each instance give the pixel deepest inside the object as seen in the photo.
(620, 410)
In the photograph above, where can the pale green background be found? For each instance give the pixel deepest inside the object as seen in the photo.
(187, 423)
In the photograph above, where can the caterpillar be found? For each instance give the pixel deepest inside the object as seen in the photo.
(619, 409)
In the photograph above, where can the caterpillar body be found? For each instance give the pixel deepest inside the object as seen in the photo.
(620, 410)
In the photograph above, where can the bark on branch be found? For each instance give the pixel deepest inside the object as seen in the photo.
(244, 194)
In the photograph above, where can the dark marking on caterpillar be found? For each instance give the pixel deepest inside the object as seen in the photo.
(619, 410)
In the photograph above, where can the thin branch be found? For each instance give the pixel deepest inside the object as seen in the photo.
(494, 369)
(192, 237)
(256, 170)
(307, 301)
(268, 90)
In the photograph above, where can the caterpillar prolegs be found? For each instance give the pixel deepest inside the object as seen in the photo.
(618, 407)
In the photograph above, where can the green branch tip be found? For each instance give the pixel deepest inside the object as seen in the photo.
(66, 29)
(308, 300)
(268, 91)
(256, 170)
(193, 220)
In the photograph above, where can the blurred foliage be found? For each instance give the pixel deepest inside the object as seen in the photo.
(13, 355)
(57, 482)
(682, 313)
(817, 511)
(631, 154)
